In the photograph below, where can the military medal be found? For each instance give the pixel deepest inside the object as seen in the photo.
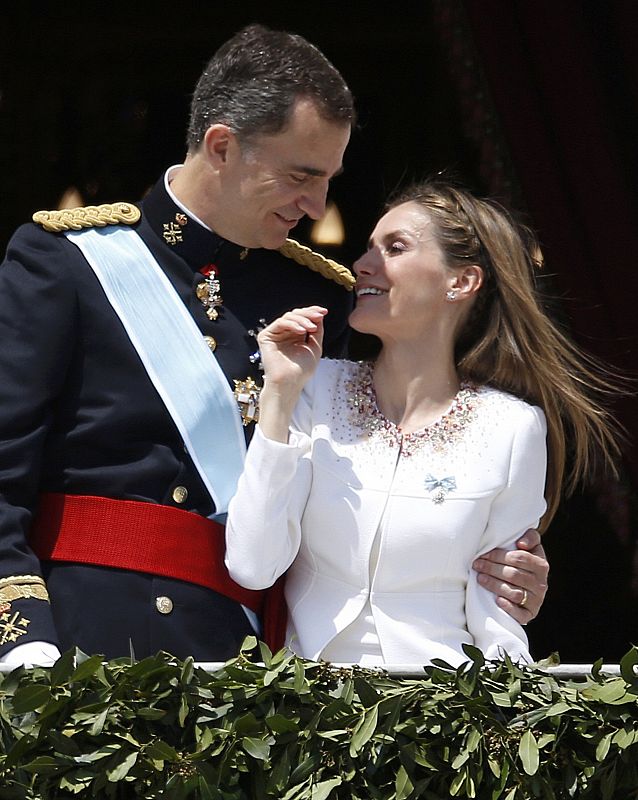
(173, 230)
(255, 358)
(247, 396)
(208, 292)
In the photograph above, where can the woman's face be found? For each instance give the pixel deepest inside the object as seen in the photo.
(402, 278)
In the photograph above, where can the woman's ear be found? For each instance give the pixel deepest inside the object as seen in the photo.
(467, 281)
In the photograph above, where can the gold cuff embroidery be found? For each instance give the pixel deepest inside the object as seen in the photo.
(22, 587)
(12, 626)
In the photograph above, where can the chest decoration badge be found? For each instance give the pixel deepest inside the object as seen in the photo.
(255, 358)
(247, 396)
(208, 292)
(172, 232)
(439, 487)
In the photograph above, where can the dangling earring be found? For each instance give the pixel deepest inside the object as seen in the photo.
(450, 295)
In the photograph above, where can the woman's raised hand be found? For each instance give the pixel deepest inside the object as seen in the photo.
(290, 347)
(290, 351)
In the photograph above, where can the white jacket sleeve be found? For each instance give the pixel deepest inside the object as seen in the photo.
(31, 654)
(518, 506)
(263, 528)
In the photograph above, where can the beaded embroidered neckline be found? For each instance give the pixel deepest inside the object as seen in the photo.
(365, 416)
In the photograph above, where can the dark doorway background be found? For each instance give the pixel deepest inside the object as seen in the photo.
(535, 103)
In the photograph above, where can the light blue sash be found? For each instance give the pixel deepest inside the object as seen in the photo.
(182, 368)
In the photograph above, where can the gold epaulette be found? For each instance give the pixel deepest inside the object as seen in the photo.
(74, 219)
(325, 266)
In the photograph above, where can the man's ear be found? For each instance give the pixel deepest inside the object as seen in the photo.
(468, 280)
(219, 141)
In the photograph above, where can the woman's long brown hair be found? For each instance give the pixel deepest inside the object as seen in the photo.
(510, 342)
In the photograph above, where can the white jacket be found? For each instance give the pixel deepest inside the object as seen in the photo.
(313, 507)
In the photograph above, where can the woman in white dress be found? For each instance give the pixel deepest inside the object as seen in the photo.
(374, 486)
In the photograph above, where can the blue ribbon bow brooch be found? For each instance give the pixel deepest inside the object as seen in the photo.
(439, 487)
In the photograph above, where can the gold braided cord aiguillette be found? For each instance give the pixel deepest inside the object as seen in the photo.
(74, 219)
(22, 587)
(324, 266)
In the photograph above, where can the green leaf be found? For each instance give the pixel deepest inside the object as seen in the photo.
(203, 738)
(457, 783)
(603, 747)
(501, 699)
(403, 786)
(528, 753)
(266, 654)
(474, 653)
(625, 738)
(249, 643)
(63, 668)
(257, 748)
(608, 784)
(119, 772)
(19, 749)
(494, 766)
(367, 693)
(97, 755)
(557, 709)
(546, 738)
(627, 664)
(30, 698)
(183, 711)
(473, 739)
(280, 724)
(86, 669)
(301, 684)
(609, 692)
(44, 765)
(205, 791)
(305, 769)
(470, 786)
(77, 782)
(161, 751)
(98, 726)
(151, 713)
(320, 791)
(188, 671)
(246, 724)
(364, 730)
(296, 792)
(460, 759)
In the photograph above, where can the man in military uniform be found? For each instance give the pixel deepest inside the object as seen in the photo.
(129, 372)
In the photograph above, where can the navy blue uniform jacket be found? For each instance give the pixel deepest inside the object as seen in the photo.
(79, 415)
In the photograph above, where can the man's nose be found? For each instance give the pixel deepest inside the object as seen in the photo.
(313, 200)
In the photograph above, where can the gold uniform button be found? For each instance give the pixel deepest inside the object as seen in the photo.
(211, 342)
(164, 604)
(180, 493)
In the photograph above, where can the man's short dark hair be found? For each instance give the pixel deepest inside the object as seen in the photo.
(254, 79)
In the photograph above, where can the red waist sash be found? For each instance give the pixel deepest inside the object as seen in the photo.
(144, 537)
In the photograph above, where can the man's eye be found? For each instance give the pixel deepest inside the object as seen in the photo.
(297, 178)
(396, 247)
